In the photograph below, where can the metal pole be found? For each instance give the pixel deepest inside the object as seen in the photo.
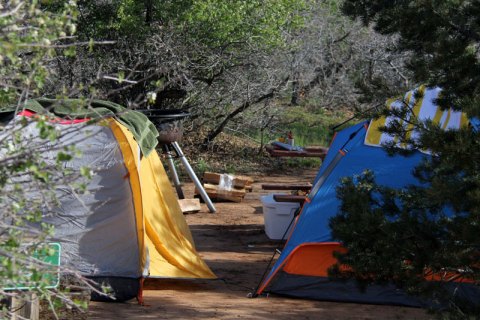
(194, 178)
(174, 175)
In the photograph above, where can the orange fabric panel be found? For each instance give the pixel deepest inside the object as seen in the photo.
(313, 259)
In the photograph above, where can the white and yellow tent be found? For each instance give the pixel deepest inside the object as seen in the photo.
(128, 225)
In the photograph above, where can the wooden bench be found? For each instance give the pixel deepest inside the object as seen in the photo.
(292, 186)
(287, 197)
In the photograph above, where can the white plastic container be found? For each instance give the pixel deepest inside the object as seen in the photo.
(277, 216)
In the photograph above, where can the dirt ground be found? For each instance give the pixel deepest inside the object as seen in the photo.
(234, 245)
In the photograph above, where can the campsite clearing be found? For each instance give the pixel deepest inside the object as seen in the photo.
(234, 245)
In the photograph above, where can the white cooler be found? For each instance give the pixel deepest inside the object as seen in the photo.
(277, 216)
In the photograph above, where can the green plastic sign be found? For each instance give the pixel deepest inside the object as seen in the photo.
(50, 255)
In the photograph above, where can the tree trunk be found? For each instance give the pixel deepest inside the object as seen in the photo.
(148, 11)
(295, 91)
(219, 129)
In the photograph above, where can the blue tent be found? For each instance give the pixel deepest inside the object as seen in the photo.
(301, 269)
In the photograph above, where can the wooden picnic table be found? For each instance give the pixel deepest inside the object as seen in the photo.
(275, 151)
(316, 152)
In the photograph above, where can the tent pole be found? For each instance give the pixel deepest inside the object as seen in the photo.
(341, 153)
(193, 177)
(254, 294)
(174, 174)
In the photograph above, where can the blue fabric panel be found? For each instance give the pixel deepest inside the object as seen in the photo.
(475, 122)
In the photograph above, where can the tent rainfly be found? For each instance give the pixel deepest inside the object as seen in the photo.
(128, 225)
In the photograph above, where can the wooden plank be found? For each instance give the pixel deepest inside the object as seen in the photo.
(34, 306)
(189, 205)
(221, 197)
(229, 197)
(26, 307)
(215, 193)
(248, 180)
(292, 186)
(316, 153)
(211, 177)
(288, 198)
(316, 149)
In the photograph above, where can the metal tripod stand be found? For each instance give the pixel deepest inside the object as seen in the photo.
(171, 147)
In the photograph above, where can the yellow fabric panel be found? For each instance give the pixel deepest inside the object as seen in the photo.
(374, 133)
(129, 149)
(438, 115)
(408, 101)
(464, 122)
(158, 180)
(170, 244)
(449, 112)
(415, 111)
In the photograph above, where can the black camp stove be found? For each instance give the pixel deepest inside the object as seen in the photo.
(169, 123)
